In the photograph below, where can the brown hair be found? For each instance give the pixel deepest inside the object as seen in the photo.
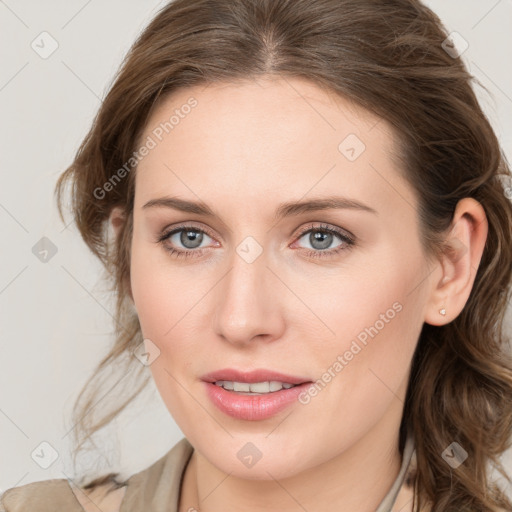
(388, 57)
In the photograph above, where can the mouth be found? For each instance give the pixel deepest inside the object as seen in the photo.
(252, 398)
(255, 381)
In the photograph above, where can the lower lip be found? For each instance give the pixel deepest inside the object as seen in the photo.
(253, 407)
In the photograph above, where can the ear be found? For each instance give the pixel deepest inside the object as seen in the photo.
(465, 243)
(117, 219)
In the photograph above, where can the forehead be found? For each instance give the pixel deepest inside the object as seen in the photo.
(292, 107)
(261, 138)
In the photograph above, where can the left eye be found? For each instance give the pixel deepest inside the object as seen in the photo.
(322, 239)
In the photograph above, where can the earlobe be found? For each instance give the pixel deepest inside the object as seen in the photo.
(459, 263)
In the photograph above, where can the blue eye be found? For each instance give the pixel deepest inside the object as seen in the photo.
(188, 240)
(189, 237)
(322, 237)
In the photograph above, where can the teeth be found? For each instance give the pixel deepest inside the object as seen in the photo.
(275, 386)
(241, 386)
(254, 388)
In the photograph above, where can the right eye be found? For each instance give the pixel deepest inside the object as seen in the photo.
(188, 237)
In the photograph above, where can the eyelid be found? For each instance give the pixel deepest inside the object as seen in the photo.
(326, 227)
(166, 232)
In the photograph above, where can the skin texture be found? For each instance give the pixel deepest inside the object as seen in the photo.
(243, 150)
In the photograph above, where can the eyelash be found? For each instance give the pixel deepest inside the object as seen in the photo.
(348, 242)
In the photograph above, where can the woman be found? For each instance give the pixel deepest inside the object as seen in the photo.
(310, 241)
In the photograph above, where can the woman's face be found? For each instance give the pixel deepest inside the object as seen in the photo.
(260, 284)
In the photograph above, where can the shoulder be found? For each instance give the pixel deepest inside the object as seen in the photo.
(50, 495)
(40, 496)
(162, 479)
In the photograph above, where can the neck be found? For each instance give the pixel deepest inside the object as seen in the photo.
(356, 479)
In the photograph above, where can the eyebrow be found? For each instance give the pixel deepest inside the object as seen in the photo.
(287, 209)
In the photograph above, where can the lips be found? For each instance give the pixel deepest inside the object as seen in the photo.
(253, 407)
(259, 375)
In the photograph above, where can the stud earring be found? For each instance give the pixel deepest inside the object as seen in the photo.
(442, 311)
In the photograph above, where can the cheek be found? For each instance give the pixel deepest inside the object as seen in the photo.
(163, 304)
(376, 315)
(159, 293)
(165, 300)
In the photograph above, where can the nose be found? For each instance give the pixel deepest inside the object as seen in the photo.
(249, 303)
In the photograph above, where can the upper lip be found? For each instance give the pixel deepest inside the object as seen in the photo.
(259, 375)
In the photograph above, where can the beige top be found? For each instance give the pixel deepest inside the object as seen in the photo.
(157, 488)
